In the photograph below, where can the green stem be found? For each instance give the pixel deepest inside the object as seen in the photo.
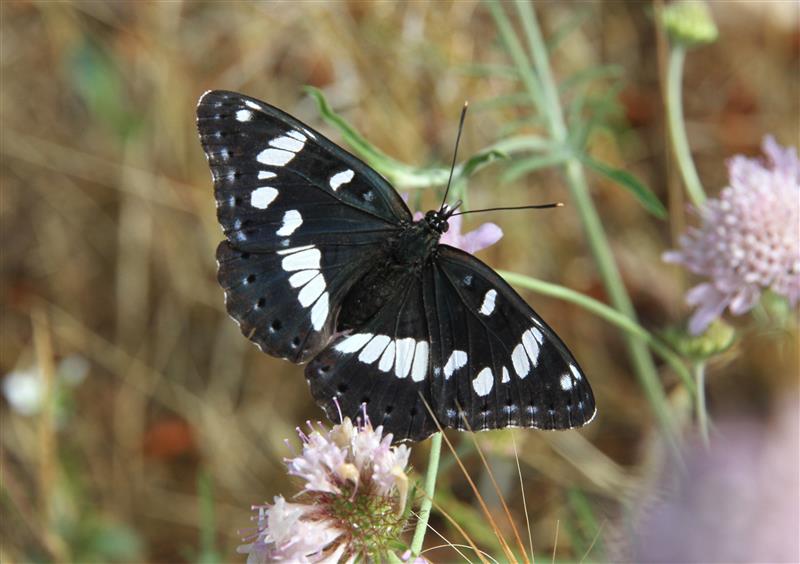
(677, 128)
(600, 247)
(609, 314)
(699, 370)
(427, 501)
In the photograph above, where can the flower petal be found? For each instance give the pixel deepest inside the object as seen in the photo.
(484, 236)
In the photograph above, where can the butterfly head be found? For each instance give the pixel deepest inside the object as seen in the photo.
(438, 219)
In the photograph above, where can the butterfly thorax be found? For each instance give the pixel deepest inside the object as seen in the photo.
(402, 259)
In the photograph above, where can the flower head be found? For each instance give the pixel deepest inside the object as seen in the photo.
(352, 500)
(749, 237)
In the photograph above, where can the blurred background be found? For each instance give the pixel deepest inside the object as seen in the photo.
(139, 425)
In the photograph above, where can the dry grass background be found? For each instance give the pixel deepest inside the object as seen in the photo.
(108, 237)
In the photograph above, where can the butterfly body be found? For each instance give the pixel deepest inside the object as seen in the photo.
(323, 263)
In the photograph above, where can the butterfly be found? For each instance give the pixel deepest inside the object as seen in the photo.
(323, 263)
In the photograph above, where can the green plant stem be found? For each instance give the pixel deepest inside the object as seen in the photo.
(677, 128)
(609, 314)
(427, 501)
(600, 247)
(699, 370)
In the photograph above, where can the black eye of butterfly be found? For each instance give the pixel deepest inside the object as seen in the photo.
(323, 263)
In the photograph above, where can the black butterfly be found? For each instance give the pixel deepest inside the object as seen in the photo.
(322, 261)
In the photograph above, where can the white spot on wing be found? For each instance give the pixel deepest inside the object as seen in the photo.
(341, 178)
(566, 382)
(252, 105)
(244, 115)
(483, 382)
(487, 307)
(275, 157)
(297, 135)
(264, 174)
(291, 221)
(575, 372)
(353, 343)
(295, 249)
(262, 197)
(319, 313)
(405, 355)
(457, 360)
(300, 278)
(531, 347)
(387, 359)
(520, 361)
(374, 349)
(311, 291)
(303, 260)
(420, 367)
(287, 143)
(506, 377)
(537, 334)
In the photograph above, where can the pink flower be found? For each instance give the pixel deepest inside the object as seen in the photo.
(749, 238)
(353, 499)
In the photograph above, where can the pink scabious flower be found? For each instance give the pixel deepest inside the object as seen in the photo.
(352, 502)
(749, 237)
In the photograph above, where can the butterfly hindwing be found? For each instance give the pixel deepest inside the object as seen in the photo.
(469, 345)
(302, 217)
(495, 358)
(287, 302)
(382, 367)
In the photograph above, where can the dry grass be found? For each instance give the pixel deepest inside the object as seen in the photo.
(108, 236)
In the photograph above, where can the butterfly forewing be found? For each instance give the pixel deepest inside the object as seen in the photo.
(280, 184)
(303, 219)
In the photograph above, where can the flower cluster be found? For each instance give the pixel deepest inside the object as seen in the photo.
(749, 238)
(353, 499)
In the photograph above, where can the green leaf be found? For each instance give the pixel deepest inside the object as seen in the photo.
(628, 181)
(478, 161)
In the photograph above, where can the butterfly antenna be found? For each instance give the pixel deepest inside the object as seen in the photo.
(535, 207)
(455, 153)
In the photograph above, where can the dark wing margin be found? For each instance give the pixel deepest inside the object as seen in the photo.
(495, 358)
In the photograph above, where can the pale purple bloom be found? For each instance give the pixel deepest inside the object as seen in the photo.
(735, 501)
(486, 235)
(749, 238)
(345, 469)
